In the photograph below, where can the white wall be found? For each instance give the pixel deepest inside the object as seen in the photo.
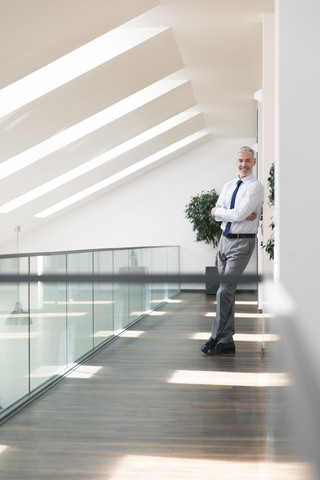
(148, 211)
(268, 117)
(266, 146)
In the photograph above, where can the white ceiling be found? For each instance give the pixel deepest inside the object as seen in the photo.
(215, 46)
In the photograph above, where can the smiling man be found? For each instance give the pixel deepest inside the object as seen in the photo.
(239, 210)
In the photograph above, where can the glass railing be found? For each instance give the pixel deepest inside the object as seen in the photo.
(46, 328)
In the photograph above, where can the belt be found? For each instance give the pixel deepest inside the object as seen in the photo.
(241, 235)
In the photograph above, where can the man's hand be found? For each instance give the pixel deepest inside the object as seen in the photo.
(252, 216)
(213, 211)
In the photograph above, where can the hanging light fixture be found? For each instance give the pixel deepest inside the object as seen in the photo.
(18, 316)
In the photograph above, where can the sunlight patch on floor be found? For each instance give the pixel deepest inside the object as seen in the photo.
(45, 371)
(244, 315)
(242, 302)
(132, 333)
(84, 371)
(233, 379)
(142, 467)
(166, 300)
(102, 334)
(80, 371)
(3, 448)
(152, 313)
(256, 337)
(241, 337)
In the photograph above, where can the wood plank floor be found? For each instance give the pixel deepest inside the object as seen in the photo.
(152, 406)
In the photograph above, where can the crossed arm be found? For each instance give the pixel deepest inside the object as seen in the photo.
(250, 217)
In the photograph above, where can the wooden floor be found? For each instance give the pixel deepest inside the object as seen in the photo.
(152, 406)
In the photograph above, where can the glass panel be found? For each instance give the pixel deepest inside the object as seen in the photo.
(45, 327)
(121, 291)
(79, 308)
(173, 267)
(159, 265)
(14, 334)
(135, 289)
(103, 298)
(48, 314)
(146, 262)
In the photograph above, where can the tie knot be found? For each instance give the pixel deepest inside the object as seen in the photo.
(239, 182)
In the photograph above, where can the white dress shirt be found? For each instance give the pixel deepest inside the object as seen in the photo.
(249, 199)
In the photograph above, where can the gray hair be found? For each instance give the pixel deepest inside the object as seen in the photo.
(247, 150)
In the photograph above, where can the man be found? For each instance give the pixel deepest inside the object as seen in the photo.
(239, 210)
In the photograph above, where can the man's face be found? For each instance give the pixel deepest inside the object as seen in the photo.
(245, 163)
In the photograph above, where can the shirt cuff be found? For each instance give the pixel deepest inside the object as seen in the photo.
(218, 214)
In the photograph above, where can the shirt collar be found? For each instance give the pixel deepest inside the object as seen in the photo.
(246, 178)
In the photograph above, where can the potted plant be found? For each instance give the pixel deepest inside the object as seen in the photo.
(198, 212)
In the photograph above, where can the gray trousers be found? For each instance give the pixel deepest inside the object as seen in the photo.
(233, 257)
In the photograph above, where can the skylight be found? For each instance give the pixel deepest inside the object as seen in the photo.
(123, 173)
(98, 161)
(72, 65)
(87, 126)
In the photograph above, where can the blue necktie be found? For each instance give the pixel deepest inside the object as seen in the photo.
(233, 199)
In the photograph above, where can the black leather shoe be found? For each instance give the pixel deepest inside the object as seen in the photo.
(222, 349)
(209, 345)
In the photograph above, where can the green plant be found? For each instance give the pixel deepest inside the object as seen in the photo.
(269, 246)
(271, 185)
(198, 212)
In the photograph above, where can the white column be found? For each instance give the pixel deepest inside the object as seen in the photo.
(268, 127)
(297, 175)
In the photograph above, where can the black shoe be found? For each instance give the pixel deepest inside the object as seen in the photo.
(222, 348)
(209, 345)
